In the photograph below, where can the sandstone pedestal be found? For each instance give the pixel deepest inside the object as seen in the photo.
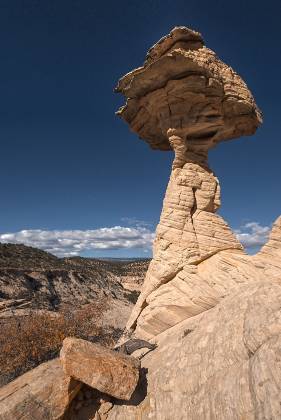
(185, 99)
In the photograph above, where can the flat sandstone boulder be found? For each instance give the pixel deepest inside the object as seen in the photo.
(42, 393)
(110, 372)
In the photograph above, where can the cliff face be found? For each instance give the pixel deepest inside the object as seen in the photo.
(31, 278)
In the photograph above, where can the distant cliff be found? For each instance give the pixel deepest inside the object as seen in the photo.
(33, 278)
(44, 299)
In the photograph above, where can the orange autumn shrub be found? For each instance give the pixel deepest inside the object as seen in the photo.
(26, 341)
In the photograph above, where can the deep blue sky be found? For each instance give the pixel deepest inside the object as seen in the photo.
(67, 162)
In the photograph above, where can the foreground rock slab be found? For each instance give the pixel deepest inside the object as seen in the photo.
(43, 393)
(100, 368)
(223, 364)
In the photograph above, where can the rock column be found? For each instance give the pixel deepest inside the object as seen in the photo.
(186, 100)
(189, 231)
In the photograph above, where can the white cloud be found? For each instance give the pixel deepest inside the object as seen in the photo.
(74, 242)
(253, 234)
(133, 221)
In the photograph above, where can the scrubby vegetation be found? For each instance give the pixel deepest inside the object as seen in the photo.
(132, 296)
(44, 299)
(26, 341)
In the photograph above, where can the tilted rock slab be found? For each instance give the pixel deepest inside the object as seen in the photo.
(223, 364)
(185, 99)
(42, 393)
(103, 369)
(196, 289)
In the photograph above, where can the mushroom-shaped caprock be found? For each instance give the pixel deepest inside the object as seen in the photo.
(184, 86)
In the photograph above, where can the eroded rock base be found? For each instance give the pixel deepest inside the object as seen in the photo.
(224, 363)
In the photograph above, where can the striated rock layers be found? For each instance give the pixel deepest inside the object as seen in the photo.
(185, 99)
(224, 364)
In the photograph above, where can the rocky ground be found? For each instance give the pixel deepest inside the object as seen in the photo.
(42, 296)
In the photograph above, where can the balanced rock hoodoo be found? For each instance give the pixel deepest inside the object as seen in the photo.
(185, 99)
(213, 311)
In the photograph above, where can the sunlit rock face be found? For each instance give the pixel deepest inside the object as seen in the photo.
(223, 364)
(183, 86)
(186, 100)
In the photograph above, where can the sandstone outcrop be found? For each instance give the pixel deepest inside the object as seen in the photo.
(42, 393)
(185, 99)
(107, 371)
(223, 364)
(213, 311)
(200, 288)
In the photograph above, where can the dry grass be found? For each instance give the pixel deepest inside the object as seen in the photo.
(29, 340)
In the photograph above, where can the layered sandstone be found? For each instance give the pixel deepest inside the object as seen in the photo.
(183, 85)
(224, 364)
(186, 100)
(199, 288)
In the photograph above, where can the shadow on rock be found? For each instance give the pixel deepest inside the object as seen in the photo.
(140, 392)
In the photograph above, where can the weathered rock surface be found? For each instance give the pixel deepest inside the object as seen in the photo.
(103, 369)
(186, 100)
(222, 364)
(183, 85)
(196, 289)
(270, 254)
(42, 393)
